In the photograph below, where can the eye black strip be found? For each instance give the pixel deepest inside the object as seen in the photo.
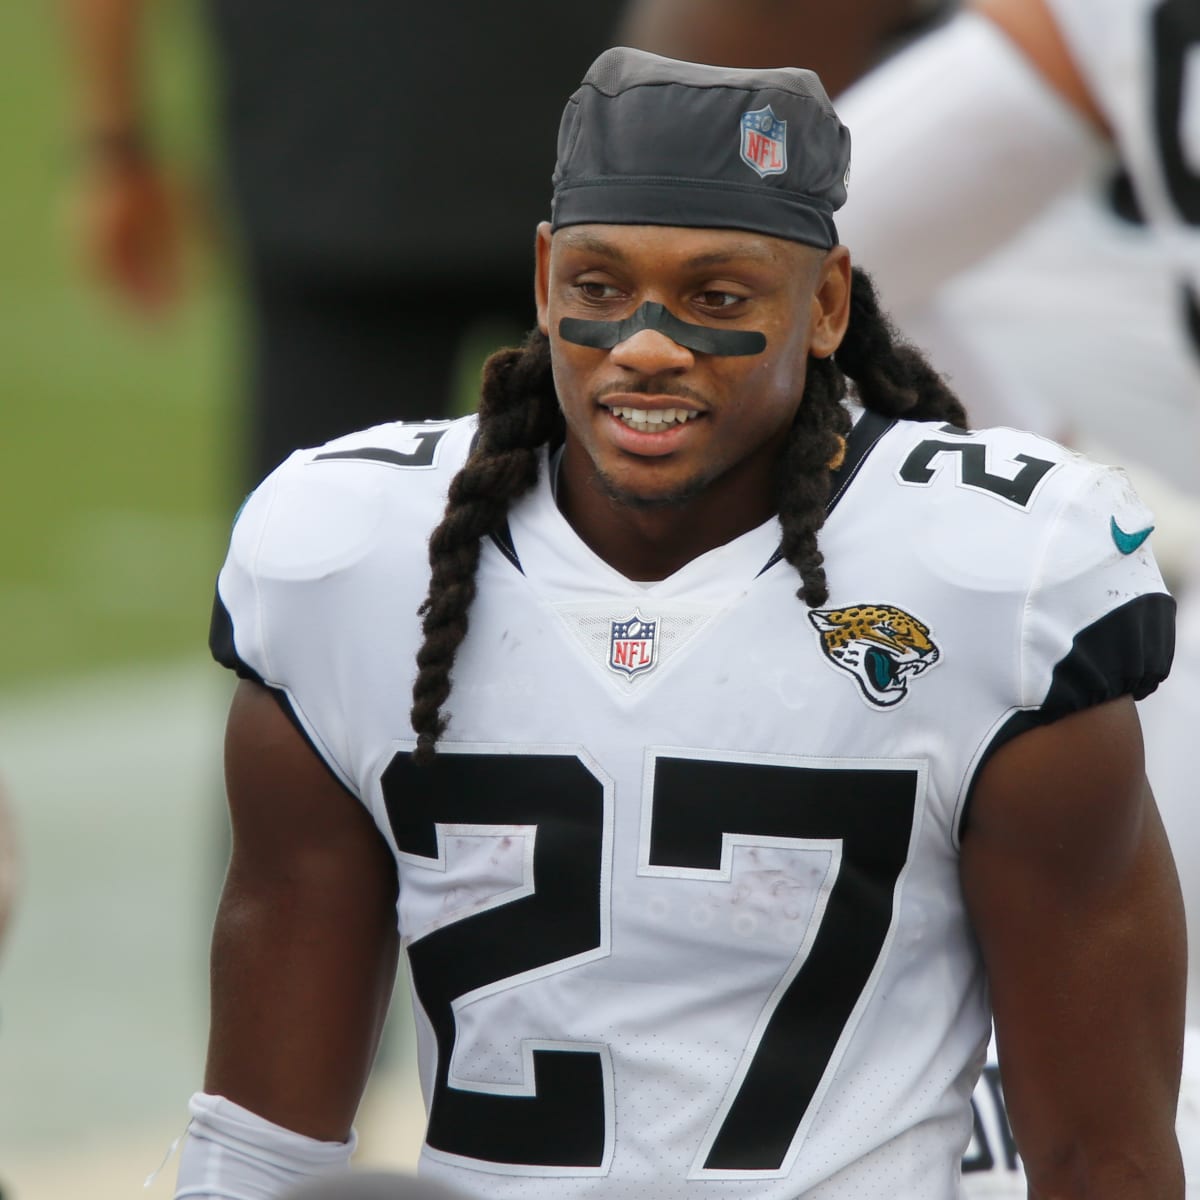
(604, 335)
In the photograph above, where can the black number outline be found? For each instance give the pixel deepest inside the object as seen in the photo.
(866, 814)
(920, 470)
(1175, 30)
(423, 457)
(565, 1107)
(468, 787)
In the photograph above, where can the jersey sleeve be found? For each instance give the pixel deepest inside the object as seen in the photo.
(276, 614)
(1098, 621)
(333, 542)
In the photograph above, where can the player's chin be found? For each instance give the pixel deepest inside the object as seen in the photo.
(647, 490)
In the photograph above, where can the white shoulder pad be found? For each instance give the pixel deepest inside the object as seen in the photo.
(1099, 622)
(1068, 539)
(317, 517)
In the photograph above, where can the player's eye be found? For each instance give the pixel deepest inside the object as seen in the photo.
(594, 289)
(716, 298)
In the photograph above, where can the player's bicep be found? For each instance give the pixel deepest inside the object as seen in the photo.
(305, 942)
(1073, 895)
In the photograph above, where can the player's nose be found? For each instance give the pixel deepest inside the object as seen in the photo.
(651, 352)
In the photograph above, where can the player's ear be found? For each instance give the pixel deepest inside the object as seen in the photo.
(541, 278)
(831, 303)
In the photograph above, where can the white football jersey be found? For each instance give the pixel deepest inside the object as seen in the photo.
(680, 893)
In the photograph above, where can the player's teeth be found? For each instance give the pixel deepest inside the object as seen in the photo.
(642, 418)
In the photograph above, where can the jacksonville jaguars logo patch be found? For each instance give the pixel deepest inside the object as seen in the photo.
(882, 647)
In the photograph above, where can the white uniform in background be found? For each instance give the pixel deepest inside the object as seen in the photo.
(983, 233)
(680, 893)
(972, 218)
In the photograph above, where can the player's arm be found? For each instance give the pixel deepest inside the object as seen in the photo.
(305, 943)
(838, 41)
(1074, 898)
(1032, 27)
(130, 215)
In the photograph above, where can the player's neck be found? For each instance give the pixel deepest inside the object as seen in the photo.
(651, 542)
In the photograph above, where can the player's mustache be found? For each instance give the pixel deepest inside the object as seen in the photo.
(652, 385)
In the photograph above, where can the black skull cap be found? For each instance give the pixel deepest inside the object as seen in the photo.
(647, 140)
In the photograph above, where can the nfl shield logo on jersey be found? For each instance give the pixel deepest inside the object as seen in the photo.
(633, 645)
(764, 145)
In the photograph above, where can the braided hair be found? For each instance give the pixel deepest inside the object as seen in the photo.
(519, 413)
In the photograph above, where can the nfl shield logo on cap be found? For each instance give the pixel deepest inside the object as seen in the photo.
(632, 645)
(764, 142)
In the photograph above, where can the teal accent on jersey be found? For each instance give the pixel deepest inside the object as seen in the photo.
(1127, 543)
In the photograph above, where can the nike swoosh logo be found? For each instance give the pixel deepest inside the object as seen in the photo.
(1127, 543)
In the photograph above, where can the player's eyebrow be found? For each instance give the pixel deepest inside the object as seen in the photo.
(749, 248)
(737, 252)
(591, 243)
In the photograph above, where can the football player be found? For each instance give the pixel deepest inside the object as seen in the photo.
(840, 41)
(715, 721)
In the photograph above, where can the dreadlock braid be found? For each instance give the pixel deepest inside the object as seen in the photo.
(518, 412)
(892, 378)
(804, 475)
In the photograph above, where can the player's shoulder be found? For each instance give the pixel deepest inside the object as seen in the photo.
(326, 507)
(993, 470)
(1024, 510)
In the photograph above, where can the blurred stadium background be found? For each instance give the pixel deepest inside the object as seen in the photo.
(117, 482)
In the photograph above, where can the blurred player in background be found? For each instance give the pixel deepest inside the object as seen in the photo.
(672, 826)
(347, 146)
(839, 41)
(1031, 97)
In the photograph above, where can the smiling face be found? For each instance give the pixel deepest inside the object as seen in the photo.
(652, 424)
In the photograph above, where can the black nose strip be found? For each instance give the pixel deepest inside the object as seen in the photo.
(604, 335)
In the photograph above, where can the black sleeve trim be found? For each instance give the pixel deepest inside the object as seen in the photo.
(1127, 652)
(221, 643)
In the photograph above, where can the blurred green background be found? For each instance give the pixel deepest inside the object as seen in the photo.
(120, 471)
(118, 461)
(117, 441)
